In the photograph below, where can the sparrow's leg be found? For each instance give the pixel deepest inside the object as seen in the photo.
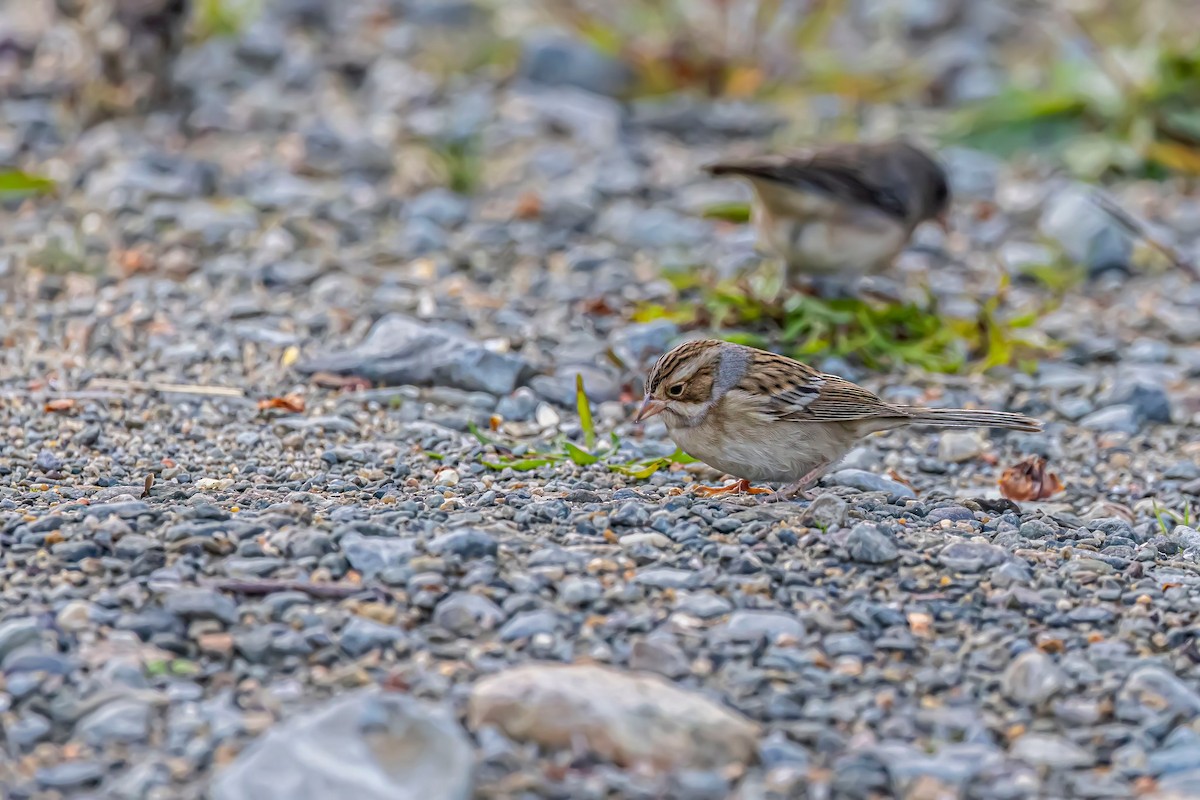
(797, 489)
(737, 487)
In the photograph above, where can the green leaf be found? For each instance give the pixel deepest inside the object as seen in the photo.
(435, 456)
(641, 471)
(730, 212)
(520, 464)
(680, 457)
(579, 455)
(15, 183)
(585, 413)
(473, 429)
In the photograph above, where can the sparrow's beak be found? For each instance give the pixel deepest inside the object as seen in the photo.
(650, 407)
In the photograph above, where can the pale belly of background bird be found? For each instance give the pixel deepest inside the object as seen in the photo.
(856, 243)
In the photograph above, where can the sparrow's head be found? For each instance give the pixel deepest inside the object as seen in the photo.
(930, 186)
(681, 384)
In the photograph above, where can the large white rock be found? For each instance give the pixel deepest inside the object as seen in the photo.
(630, 718)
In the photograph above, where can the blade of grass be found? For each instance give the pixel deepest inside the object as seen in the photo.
(15, 183)
(585, 413)
(579, 455)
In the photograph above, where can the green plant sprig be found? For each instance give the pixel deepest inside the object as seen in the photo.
(565, 450)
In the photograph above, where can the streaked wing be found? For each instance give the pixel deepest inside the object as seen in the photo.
(793, 392)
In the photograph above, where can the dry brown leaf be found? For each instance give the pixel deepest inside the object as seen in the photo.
(131, 262)
(528, 206)
(292, 402)
(1029, 480)
(898, 478)
(59, 405)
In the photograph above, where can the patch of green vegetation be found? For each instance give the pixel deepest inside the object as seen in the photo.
(17, 184)
(876, 334)
(1129, 108)
(565, 450)
(458, 162)
(1179, 518)
(1058, 277)
(724, 49)
(221, 18)
(178, 667)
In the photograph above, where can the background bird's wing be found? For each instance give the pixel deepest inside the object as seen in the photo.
(850, 175)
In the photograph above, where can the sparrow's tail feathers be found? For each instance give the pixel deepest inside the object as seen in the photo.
(967, 418)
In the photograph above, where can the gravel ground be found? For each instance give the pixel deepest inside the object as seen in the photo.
(201, 597)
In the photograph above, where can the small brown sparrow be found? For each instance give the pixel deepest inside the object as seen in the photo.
(848, 209)
(764, 417)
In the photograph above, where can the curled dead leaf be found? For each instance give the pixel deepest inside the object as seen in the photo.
(898, 478)
(59, 405)
(292, 402)
(1030, 480)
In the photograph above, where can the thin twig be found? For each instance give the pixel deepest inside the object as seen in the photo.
(326, 591)
(167, 388)
(1140, 230)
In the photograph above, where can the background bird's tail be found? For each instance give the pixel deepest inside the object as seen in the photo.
(966, 418)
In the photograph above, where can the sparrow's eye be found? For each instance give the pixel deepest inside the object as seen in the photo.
(676, 390)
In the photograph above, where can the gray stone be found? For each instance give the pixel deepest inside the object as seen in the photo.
(865, 481)
(368, 745)
(27, 731)
(47, 461)
(1149, 401)
(956, 447)
(578, 591)
(952, 513)
(556, 60)
(371, 555)
(1152, 691)
(193, 603)
(400, 350)
(361, 636)
(623, 717)
(466, 543)
(125, 721)
(70, 775)
(443, 207)
(661, 654)
(970, 556)
(16, 633)
(1047, 750)
(1114, 419)
(519, 406)
(467, 614)
(827, 511)
(1087, 233)
(870, 545)
(705, 605)
(639, 344)
(528, 624)
(752, 626)
(1033, 678)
